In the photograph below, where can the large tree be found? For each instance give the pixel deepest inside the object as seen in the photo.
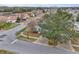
(58, 28)
(18, 20)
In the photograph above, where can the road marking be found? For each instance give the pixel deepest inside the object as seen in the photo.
(14, 41)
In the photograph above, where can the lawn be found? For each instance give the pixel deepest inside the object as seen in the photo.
(6, 52)
(6, 26)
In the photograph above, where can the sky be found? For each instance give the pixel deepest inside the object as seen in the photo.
(40, 3)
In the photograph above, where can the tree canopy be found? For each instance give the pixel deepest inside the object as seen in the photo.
(18, 19)
(59, 27)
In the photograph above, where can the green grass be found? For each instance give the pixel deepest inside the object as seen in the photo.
(6, 52)
(7, 26)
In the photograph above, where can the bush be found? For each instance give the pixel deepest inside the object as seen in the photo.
(52, 42)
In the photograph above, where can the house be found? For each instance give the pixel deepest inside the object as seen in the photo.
(11, 18)
(26, 16)
(39, 12)
(3, 18)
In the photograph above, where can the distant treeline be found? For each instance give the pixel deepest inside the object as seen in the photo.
(28, 9)
(18, 9)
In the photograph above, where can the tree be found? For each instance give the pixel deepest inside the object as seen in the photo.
(59, 28)
(18, 19)
(46, 16)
